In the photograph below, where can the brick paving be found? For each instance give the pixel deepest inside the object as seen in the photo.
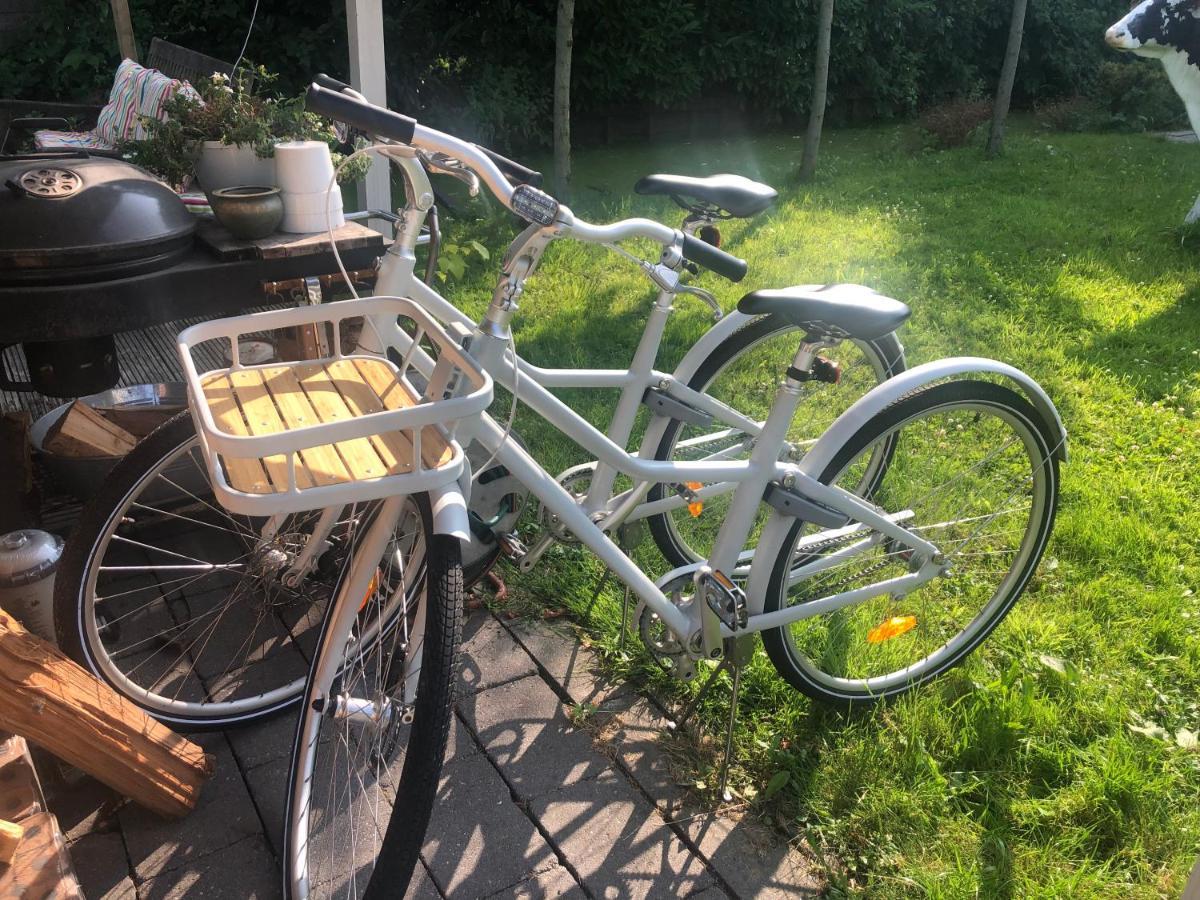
(530, 806)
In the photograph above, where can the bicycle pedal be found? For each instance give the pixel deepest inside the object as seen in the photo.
(725, 599)
(512, 547)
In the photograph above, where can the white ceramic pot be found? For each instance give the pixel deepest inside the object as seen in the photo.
(307, 223)
(303, 167)
(305, 204)
(232, 165)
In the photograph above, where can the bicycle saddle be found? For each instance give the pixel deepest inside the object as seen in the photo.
(738, 196)
(836, 310)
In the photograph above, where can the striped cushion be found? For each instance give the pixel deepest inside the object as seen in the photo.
(136, 92)
(67, 140)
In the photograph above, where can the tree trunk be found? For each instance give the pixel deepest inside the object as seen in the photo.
(1008, 74)
(51, 701)
(816, 114)
(563, 43)
(124, 26)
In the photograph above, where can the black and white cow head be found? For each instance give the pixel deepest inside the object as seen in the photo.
(1157, 28)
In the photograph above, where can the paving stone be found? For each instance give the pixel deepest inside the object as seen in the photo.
(264, 741)
(479, 842)
(573, 667)
(557, 882)
(617, 843)
(244, 871)
(490, 656)
(753, 861)
(461, 744)
(709, 893)
(639, 738)
(101, 865)
(421, 887)
(268, 785)
(524, 728)
(82, 805)
(223, 816)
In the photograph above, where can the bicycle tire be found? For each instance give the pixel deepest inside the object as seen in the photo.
(86, 633)
(804, 667)
(884, 355)
(415, 793)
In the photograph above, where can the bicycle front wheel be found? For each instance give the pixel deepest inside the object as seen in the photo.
(743, 372)
(974, 472)
(375, 719)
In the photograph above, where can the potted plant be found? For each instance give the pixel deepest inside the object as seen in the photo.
(225, 134)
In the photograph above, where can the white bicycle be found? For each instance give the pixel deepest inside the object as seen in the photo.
(871, 557)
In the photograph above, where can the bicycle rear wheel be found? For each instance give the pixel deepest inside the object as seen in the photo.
(975, 473)
(183, 607)
(743, 371)
(375, 719)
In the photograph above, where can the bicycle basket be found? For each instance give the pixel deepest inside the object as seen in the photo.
(342, 428)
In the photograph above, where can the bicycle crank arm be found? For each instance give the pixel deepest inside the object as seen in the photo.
(531, 557)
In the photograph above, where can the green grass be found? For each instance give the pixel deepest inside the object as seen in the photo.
(1018, 774)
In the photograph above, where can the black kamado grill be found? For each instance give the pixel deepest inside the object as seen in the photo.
(91, 246)
(80, 220)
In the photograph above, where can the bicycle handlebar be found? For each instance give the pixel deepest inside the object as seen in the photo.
(325, 97)
(704, 254)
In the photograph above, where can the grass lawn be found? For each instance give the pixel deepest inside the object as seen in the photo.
(1055, 762)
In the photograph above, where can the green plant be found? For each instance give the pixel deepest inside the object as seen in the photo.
(1136, 96)
(226, 110)
(1071, 114)
(951, 124)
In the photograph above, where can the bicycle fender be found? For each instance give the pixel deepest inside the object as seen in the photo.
(722, 329)
(450, 511)
(888, 392)
(814, 463)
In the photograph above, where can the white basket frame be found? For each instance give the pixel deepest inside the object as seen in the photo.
(455, 371)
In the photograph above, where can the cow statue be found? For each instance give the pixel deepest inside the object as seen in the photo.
(1168, 30)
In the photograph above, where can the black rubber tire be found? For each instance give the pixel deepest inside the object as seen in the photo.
(887, 350)
(985, 393)
(417, 789)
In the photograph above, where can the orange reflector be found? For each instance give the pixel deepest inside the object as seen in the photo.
(696, 506)
(371, 588)
(893, 627)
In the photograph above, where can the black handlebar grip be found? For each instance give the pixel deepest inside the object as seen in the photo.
(366, 117)
(713, 259)
(514, 171)
(332, 83)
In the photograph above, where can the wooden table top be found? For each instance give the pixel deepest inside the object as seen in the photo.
(224, 246)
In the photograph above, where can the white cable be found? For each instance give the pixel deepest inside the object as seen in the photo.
(329, 211)
(512, 344)
(512, 412)
(246, 42)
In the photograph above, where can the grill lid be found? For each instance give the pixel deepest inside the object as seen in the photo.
(72, 218)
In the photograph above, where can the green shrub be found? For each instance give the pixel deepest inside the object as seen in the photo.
(952, 123)
(1136, 96)
(1071, 114)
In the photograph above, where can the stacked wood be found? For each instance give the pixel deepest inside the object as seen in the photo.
(82, 431)
(50, 700)
(34, 863)
(41, 867)
(10, 838)
(139, 421)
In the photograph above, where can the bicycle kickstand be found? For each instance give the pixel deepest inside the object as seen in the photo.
(733, 706)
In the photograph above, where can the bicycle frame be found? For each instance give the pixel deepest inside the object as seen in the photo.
(488, 343)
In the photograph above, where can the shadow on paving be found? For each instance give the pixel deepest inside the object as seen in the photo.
(530, 805)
